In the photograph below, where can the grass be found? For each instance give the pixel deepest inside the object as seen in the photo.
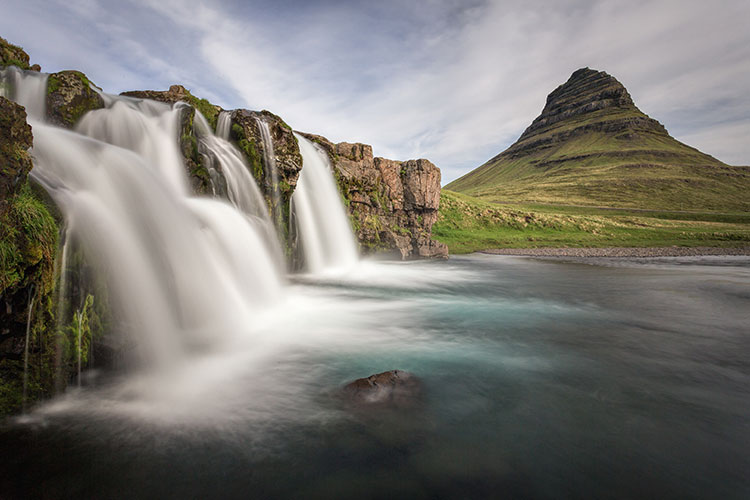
(468, 224)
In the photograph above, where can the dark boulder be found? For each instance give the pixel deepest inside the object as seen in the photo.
(392, 388)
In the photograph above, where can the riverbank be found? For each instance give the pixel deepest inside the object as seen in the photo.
(620, 251)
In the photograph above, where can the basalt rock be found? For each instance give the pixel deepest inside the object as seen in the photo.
(392, 388)
(392, 204)
(69, 96)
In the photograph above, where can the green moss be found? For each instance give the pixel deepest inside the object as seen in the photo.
(53, 84)
(28, 238)
(208, 110)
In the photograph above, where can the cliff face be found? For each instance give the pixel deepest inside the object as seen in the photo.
(591, 145)
(28, 247)
(392, 205)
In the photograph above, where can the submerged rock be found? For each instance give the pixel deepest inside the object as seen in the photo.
(392, 388)
(69, 96)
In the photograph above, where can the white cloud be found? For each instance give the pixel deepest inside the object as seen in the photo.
(450, 80)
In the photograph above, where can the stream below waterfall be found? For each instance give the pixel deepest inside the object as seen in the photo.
(609, 378)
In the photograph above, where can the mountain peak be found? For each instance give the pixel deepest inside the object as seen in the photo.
(586, 91)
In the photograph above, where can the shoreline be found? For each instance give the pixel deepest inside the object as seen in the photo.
(620, 251)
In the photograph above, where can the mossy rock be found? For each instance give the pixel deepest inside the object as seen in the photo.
(13, 55)
(69, 96)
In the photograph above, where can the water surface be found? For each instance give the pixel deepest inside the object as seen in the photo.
(543, 379)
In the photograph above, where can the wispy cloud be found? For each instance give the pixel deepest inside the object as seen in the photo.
(454, 81)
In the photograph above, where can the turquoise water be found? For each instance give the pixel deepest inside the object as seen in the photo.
(542, 379)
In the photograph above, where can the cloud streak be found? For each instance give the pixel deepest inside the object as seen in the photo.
(453, 81)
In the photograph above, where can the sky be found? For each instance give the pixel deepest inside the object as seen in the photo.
(454, 81)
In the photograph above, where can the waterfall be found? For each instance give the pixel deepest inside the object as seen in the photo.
(184, 273)
(242, 190)
(319, 215)
(27, 88)
(224, 125)
(26, 351)
(272, 174)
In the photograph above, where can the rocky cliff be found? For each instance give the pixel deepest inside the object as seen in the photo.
(591, 145)
(28, 247)
(392, 204)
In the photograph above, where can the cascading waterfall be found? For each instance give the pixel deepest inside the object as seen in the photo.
(27, 88)
(224, 125)
(242, 191)
(186, 273)
(318, 214)
(269, 161)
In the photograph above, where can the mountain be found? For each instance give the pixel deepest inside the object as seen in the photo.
(591, 145)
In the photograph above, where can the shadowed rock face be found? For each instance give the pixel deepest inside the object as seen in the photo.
(392, 388)
(392, 205)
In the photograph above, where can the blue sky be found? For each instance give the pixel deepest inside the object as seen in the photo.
(449, 80)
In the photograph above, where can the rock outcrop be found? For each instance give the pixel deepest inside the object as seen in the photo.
(395, 388)
(69, 96)
(392, 205)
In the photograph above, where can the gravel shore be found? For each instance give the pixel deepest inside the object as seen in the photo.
(620, 251)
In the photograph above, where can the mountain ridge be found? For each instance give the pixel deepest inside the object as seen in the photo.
(592, 145)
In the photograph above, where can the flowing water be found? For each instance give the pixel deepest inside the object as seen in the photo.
(543, 379)
(319, 216)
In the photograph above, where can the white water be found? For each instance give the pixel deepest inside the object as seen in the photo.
(319, 215)
(242, 191)
(269, 162)
(27, 88)
(224, 125)
(185, 273)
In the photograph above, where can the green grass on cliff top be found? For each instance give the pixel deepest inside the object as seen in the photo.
(651, 171)
(468, 224)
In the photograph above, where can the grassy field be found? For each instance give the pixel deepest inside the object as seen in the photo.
(468, 224)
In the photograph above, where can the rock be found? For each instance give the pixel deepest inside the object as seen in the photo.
(391, 388)
(69, 96)
(15, 142)
(392, 205)
(12, 55)
(246, 135)
(178, 93)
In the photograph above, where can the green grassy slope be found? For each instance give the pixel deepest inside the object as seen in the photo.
(592, 146)
(469, 224)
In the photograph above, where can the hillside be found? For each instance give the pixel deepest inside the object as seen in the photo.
(592, 146)
(468, 224)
